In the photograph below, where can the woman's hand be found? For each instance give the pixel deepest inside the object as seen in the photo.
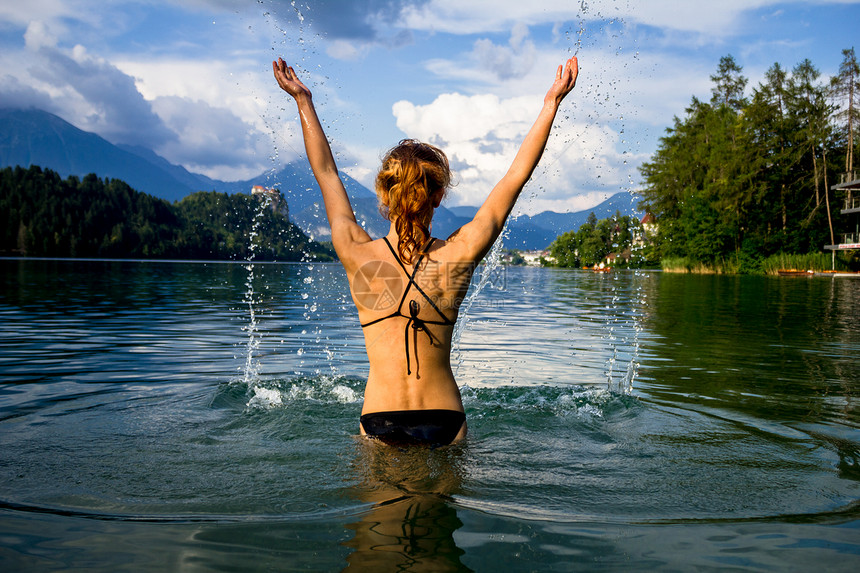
(480, 234)
(565, 79)
(289, 81)
(345, 231)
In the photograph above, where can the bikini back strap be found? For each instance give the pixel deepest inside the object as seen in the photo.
(399, 262)
(414, 322)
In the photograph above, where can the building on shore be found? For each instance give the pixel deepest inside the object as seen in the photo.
(533, 258)
(277, 203)
(849, 185)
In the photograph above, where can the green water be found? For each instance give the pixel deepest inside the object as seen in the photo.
(631, 421)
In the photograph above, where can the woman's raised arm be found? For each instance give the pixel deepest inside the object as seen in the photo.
(341, 218)
(484, 229)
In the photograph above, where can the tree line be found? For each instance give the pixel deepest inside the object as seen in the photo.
(44, 215)
(742, 178)
(595, 240)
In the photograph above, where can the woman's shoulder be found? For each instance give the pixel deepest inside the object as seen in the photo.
(362, 252)
(452, 255)
(461, 246)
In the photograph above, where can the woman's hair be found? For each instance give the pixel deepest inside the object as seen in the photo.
(410, 174)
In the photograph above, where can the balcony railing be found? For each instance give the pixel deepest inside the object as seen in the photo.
(851, 202)
(847, 177)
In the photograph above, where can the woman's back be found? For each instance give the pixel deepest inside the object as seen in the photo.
(408, 312)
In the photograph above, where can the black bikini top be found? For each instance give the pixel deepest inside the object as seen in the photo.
(414, 321)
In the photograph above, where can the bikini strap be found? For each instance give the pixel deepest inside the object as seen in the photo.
(413, 320)
(399, 262)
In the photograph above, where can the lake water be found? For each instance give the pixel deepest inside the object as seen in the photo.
(202, 417)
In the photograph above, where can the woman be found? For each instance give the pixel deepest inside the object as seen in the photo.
(407, 286)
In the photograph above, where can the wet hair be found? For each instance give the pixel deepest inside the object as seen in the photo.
(411, 173)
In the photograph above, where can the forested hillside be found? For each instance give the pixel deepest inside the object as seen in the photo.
(43, 215)
(740, 178)
(595, 240)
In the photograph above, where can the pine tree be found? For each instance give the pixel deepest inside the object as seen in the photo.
(729, 84)
(808, 102)
(845, 91)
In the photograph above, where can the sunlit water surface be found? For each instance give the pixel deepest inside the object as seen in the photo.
(626, 421)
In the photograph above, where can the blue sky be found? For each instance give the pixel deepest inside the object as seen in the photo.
(192, 79)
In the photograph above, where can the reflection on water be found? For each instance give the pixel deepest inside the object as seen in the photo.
(550, 326)
(410, 523)
(771, 348)
(410, 533)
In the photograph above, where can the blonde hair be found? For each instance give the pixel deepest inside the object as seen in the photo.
(411, 173)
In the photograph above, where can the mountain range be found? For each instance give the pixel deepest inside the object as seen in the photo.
(36, 137)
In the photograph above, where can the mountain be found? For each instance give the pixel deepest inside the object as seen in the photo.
(182, 175)
(296, 182)
(467, 211)
(531, 232)
(535, 232)
(521, 233)
(35, 137)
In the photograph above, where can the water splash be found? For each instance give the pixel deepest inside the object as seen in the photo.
(583, 10)
(319, 390)
(290, 25)
(489, 269)
(623, 328)
(252, 298)
(635, 342)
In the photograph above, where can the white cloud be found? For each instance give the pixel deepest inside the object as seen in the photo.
(617, 83)
(221, 107)
(482, 133)
(38, 35)
(507, 62)
(346, 50)
(205, 116)
(712, 19)
(116, 110)
(22, 13)
(476, 132)
(483, 16)
(211, 140)
(18, 95)
(454, 117)
(590, 155)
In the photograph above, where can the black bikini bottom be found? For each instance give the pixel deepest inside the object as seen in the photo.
(413, 427)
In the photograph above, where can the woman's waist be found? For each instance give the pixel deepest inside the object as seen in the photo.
(435, 389)
(396, 359)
